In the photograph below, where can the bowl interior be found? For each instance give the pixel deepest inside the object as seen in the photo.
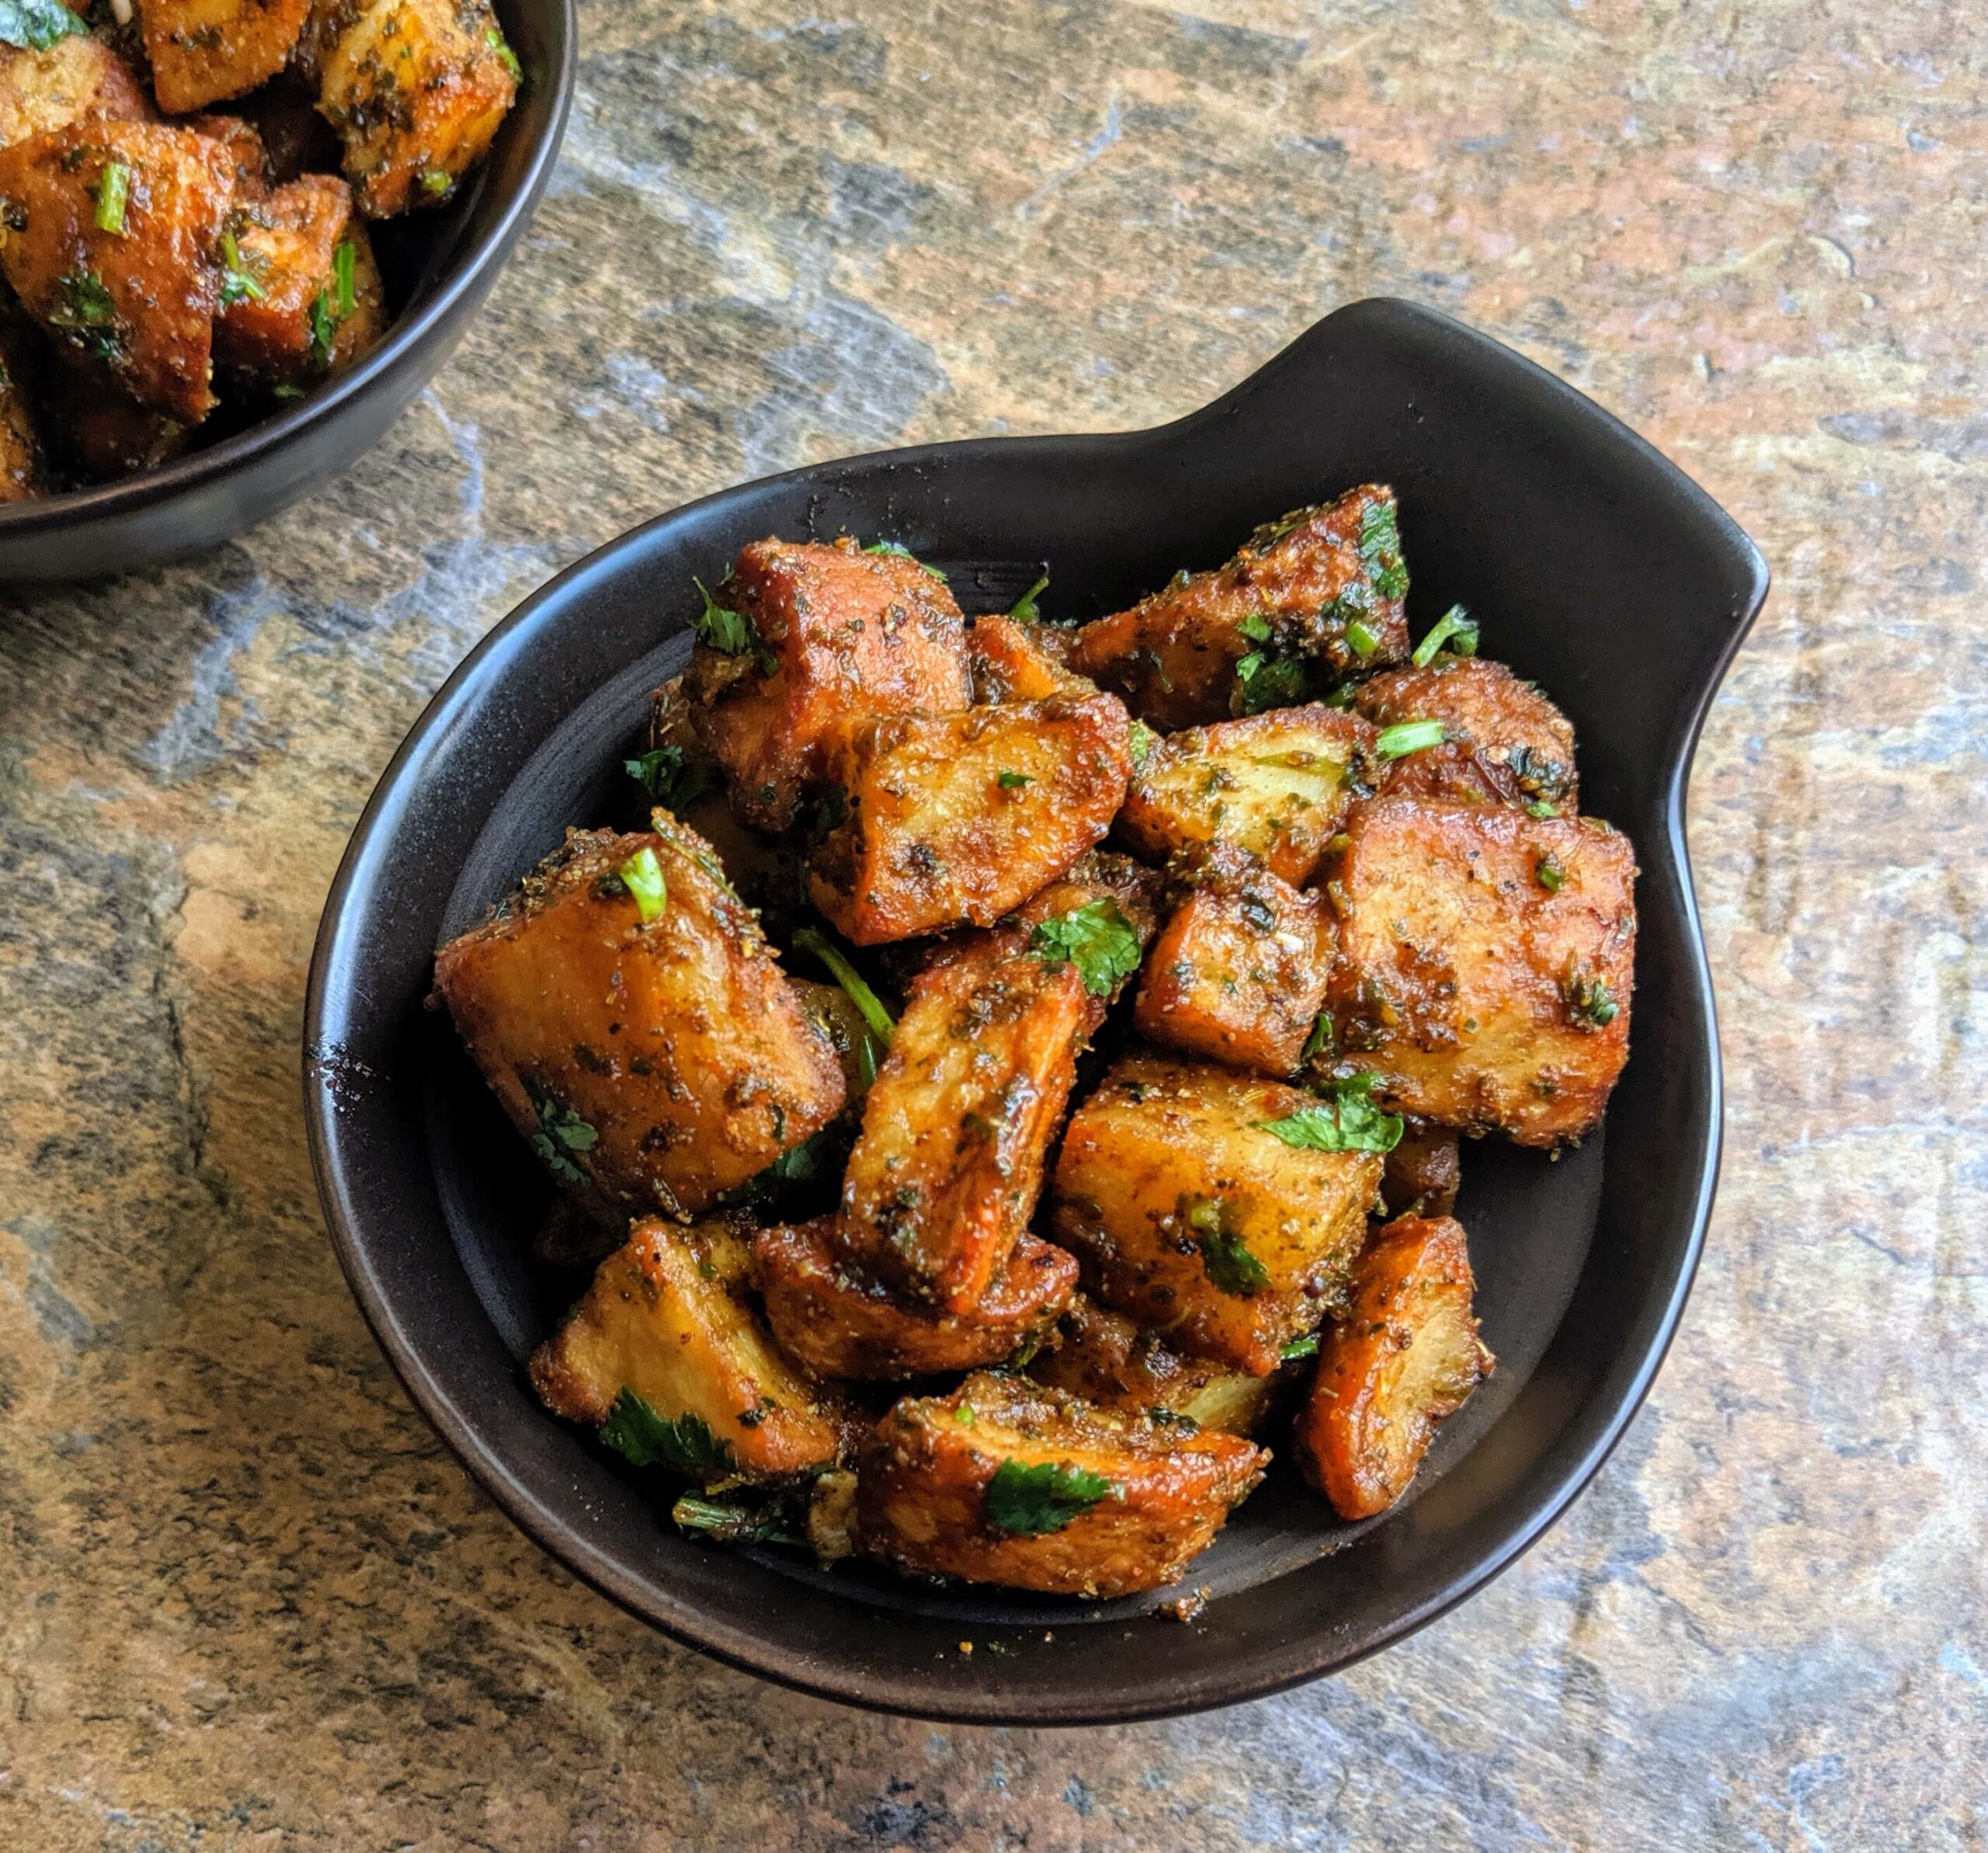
(1595, 568)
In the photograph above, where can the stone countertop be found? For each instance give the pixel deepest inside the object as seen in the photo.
(246, 1600)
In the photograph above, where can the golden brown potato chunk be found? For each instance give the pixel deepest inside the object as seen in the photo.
(97, 434)
(301, 297)
(1311, 597)
(202, 50)
(1192, 1215)
(669, 1320)
(133, 300)
(417, 89)
(947, 1167)
(1505, 742)
(1239, 973)
(74, 79)
(1014, 661)
(1405, 1356)
(21, 463)
(247, 156)
(831, 1317)
(951, 820)
(1004, 1481)
(1422, 1172)
(1484, 964)
(801, 636)
(1277, 785)
(627, 1011)
(1109, 1360)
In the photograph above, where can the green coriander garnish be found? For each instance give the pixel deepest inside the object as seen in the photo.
(1097, 939)
(1027, 1501)
(236, 285)
(1348, 1122)
(1144, 741)
(810, 940)
(561, 1133)
(1024, 611)
(1591, 1002)
(1013, 781)
(113, 195)
(436, 182)
(87, 312)
(636, 1430)
(730, 633)
(1254, 626)
(324, 323)
(1263, 682)
(1380, 550)
(1320, 1039)
(670, 778)
(642, 875)
(1360, 639)
(1225, 1257)
(898, 550)
(35, 25)
(505, 56)
(729, 1523)
(1455, 627)
(1409, 736)
(1307, 1346)
(1539, 807)
(1552, 877)
(345, 261)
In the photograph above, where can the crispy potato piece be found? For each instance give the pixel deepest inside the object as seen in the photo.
(1404, 1357)
(1278, 785)
(99, 435)
(137, 306)
(1109, 1361)
(947, 1167)
(955, 819)
(652, 1065)
(202, 50)
(417, 89)
(1239, 973)
(1191, 1217)
(832, 632)
(1014, 661)
(1422, 1172)
(245, 152)
(670, 1317)
(829, 1316)
(1004, 1481)
(1507, 743)
(1484, 964)
(1323, 585)
(287, 317)
(21, 463)
(74, 79)
(833, 1012)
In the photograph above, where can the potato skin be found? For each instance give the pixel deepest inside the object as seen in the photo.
(669, 1317)
(203, 50)
(1473, 990)
(948, 1165)
(417, 89)
(932, 838)
(1507, 743)
(679, 1044)
(288, 243)
(73, 80)
(1165, 1172)
(1278, 785)
(848, 633)
(136, 309)
(1238, 974)
(923, 1480)
(1406, 1357)
(1306, 578)
(1013, 661)
(1422, 1172)
(1113, 1363)
(829, 1317)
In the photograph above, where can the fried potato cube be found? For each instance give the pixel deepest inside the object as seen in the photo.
(817, 635)
(1239, 973)
(21, 465)
(1115, 1363)
(954, 820)
(669, 1318)
(76, 78)
(1405, 1356)
(947, 1167)
(417, 90)
(1192, 1216)
(98, 434)
(247, 156)
(1014, 661)
(831, 1317)
(202, 50)
(1308, 599)
(1005, 1481)
(1422, 1172)
(1505, 742)
(1484, 965)
(133, 302)
(653, 1063)
(1277, 785)
(302, 298)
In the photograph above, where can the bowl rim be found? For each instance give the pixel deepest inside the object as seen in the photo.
(891, 1692)
(73, 509)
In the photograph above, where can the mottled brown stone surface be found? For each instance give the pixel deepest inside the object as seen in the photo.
(245, 1599)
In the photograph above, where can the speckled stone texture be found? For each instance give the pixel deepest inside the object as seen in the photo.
(246, 1600)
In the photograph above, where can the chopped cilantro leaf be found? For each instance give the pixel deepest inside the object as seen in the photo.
(1592, 1002)
(1263, 683)
(635, 1431)
(1013, 781)
(1255, 626)
(1360, 637)
(1025, 609)
(88, 313)
(730, 1524)
(324, 328)
(1539, 807)
(1026, 1501)
(809, 939)
(898, 549)
(1380, 549)
(345, 274)
(1409, 736)
(237, 284)
(1144, 741)
(1350, 1122)
(35, 25)
(1320, 1039)
(114, 194)
(1097, 939)
(1225, 1257)
(1307, 1346)
(561, 1132)
(1552, 877)
(505, 56)
(730, 633)
(436, 182)
(668, 777)
(642, 875)
(1455, 627)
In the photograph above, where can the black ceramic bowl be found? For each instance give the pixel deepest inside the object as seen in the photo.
(437, 267)
(1596, 568)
